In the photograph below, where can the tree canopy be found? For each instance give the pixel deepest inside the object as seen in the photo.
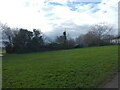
(23, 40)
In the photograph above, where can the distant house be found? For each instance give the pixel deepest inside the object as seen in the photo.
(115, 40)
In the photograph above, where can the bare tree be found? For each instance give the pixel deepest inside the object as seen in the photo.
(80, 40)
(8, 33)
(98, 34)
(101, 30)
(71, 43)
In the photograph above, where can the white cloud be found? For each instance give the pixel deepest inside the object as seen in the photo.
(47, 17)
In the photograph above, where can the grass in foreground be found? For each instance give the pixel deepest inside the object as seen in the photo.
(76, 68)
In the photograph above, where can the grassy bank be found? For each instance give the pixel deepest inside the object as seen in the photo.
(77, 68)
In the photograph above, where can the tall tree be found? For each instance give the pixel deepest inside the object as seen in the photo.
(22, 40)
(37, 40)
(65, 37)
(7, 37)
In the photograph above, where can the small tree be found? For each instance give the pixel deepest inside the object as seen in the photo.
(80, 42)
(90, 39)
(71, 43)
(62, 40)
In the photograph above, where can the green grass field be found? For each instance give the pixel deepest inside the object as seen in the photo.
(75, 68)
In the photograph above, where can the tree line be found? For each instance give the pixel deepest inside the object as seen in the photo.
(24, 41)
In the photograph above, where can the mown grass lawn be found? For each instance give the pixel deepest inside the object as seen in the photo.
(75, 68)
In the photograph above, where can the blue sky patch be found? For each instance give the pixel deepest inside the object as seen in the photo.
(72, 5)
(55, 3)
(50, 14)
(95, 10)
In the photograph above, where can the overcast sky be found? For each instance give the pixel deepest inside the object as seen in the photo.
(53, 16)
